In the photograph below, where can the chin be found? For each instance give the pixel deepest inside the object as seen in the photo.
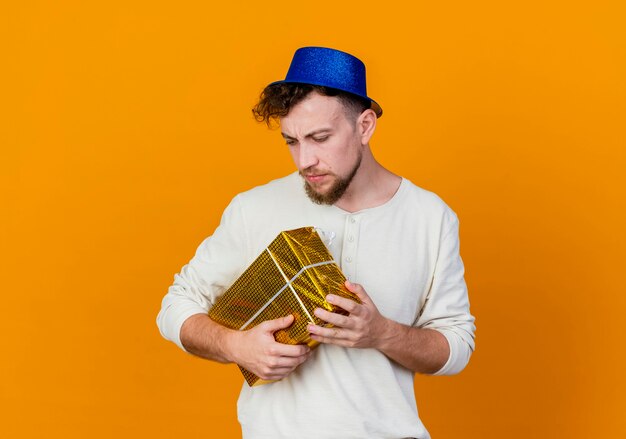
(328, 197)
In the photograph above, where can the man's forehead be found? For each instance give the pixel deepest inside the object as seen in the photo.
(314, 132)
(315, 112)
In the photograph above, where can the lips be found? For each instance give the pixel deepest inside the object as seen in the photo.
(314, 178)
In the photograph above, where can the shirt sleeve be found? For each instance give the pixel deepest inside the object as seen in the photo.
(218, 261)
(447, 305)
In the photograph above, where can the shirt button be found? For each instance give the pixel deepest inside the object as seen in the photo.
(350, 238)
(352, 220)
(349, 259)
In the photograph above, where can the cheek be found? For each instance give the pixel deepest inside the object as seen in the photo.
(345, 155)
(293, 151)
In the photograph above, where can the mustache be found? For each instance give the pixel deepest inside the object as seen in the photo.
(313, 171)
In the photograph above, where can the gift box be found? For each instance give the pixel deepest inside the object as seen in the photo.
(293, 275)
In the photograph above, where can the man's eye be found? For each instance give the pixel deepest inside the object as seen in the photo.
(321, 139)
(290, 142)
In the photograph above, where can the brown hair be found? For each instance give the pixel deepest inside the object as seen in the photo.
(277, 99)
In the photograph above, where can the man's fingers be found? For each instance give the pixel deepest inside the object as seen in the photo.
(331, 317)
(347, 304)
(327, 333)
(276, 374)
(277, 324)
(288, 362)
(331, 335)
(288, 350)
(358, 290)
(278, 367)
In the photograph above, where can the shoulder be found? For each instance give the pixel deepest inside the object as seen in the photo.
(281, 189)
(424, 201)
(274, 206)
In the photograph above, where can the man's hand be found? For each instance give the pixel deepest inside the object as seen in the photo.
(364, 327)
(418, 349)
(258, 351)
(255, 349)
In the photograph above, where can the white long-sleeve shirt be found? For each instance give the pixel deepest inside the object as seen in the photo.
(405, 253)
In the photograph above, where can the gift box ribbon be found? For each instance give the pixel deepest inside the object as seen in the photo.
(287, 285)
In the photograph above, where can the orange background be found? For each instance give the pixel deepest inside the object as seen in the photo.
(126, 129)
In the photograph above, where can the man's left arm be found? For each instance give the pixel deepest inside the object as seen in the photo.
(439, 342)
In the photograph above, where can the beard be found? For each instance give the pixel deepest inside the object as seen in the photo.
(336, 191)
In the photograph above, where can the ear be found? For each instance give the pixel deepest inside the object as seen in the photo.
(366, 125)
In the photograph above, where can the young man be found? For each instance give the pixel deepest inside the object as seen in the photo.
(396, 243)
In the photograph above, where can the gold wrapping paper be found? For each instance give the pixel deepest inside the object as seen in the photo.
(292, 275)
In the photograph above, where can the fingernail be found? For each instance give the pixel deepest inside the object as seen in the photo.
(330, 297)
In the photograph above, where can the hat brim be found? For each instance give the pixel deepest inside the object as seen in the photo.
(373, 104)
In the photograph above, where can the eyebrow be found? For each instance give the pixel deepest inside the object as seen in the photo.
(311, 134)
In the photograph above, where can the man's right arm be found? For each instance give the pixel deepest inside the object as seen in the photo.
(183, 317)
(254, 349)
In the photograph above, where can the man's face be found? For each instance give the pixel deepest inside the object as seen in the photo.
(324, 144)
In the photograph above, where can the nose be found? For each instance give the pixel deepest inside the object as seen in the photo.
(307, 156)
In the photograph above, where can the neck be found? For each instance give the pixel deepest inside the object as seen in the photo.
(372, 186)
